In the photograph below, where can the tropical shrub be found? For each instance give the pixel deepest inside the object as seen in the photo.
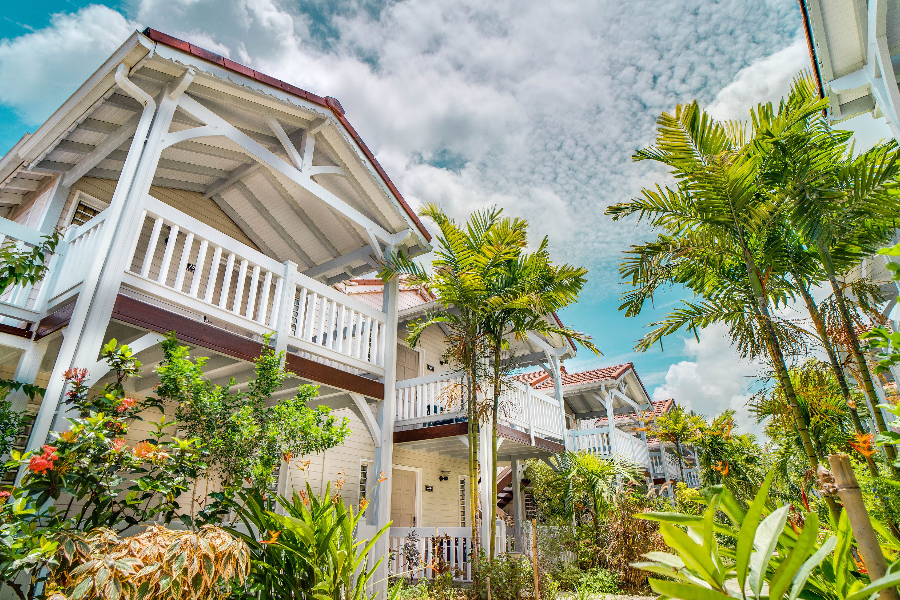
(90, 471)
(510, 579)
(25, 265)
(158, 564)
(775, 558)
(247, 436)
(592, 581)
(309, 551)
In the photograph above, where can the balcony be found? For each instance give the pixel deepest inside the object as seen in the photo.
(186, 266)
(623, 445)
(436, 399)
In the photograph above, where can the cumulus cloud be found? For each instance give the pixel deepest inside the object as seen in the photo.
(713, 380)
(535, 106)
(767, 79)
(41, 69)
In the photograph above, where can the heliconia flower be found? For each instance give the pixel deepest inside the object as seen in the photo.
(286, 456)
(273, 537)
(722, 469)
(126, 404)
(363, 504)
(118, 444)
(381, 477)
(863, 444)
(68, 436)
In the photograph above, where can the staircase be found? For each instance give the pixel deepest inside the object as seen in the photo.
(505, 492)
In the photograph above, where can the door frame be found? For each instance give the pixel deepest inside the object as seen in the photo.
(418, 502)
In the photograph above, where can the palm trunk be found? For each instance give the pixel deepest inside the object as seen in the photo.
(494, 429)
(835, 364)
(781, 371)
(850, 332)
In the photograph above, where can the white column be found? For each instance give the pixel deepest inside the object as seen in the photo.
(119, 234)
(54, 206)
(558, 392)
(27, 370)
(610, 421)
(518, 503)
(282, 321)
(488, 497)
(381, 494)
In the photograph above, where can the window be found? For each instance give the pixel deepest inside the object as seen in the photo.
(462, 501)
(363, 480)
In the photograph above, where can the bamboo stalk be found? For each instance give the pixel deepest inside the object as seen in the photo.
(869, 548)
(534, 554)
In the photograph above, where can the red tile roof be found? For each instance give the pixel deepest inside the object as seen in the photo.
(532, 378)
(326, 102)
(594, 375)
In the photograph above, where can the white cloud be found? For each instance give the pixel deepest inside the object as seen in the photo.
(40, 70)
(713, 380)
(536, 106)
(766, 80)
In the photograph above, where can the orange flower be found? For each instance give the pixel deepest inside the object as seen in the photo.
(144, 450)
(273, 537)
(303, 497)
(722, 469)
(860, 565)
(381, 477)
(43, 462)
(363, 504)
(864, 445)
(303, 464)
(118, 444)
(286, 456)
(126, 404)
(68, 436)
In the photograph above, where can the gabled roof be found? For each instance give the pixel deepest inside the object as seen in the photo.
(660, 407)
(592, 376)
(328, 102)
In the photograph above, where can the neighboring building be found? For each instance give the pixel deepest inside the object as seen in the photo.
(203, 197)
(591, 396)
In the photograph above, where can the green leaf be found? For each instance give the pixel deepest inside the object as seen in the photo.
(765, 541)
(804, 571)
(892, 578)
(789, 567)
(748, 531)
(685, 591)
(696, 557)
(82, 588)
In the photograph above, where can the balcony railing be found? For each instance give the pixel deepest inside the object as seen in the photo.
(181, 259)
(597, 441)
(438, 398)
(190, 264)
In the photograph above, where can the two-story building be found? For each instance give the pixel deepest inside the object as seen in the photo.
(199, 196)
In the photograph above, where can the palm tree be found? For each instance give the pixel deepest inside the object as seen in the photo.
(677, 428)
(719, 212)
(585, 477)
(844, 207)
(519, 300)
(466, 259)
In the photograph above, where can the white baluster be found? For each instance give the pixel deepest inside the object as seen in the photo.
(226, 281)
(199, 268)
(338, 342)
(167, 255)
(276, 300)
(373, 344)
(251, 296)
(183, 263)
(323, 304)
(239, 292)
(311, 305)
(301, 314)
(213, 275)
(360, 346)
(151, 247)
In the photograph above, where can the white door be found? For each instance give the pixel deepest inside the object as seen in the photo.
(403, 498)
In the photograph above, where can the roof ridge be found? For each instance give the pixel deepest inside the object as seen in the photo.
(328, 102)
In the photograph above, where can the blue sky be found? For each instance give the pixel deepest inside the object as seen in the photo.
(533, 106)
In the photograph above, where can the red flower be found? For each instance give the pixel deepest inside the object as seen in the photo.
(118, 444)
(4, 495)
(126, 404)
(43, 462)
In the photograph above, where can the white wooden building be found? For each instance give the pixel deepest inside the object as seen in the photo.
(203, 197)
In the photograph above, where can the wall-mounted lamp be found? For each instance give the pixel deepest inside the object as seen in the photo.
(445, 476)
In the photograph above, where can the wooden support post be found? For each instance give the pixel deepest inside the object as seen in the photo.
(851, 496)
(534, 558)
